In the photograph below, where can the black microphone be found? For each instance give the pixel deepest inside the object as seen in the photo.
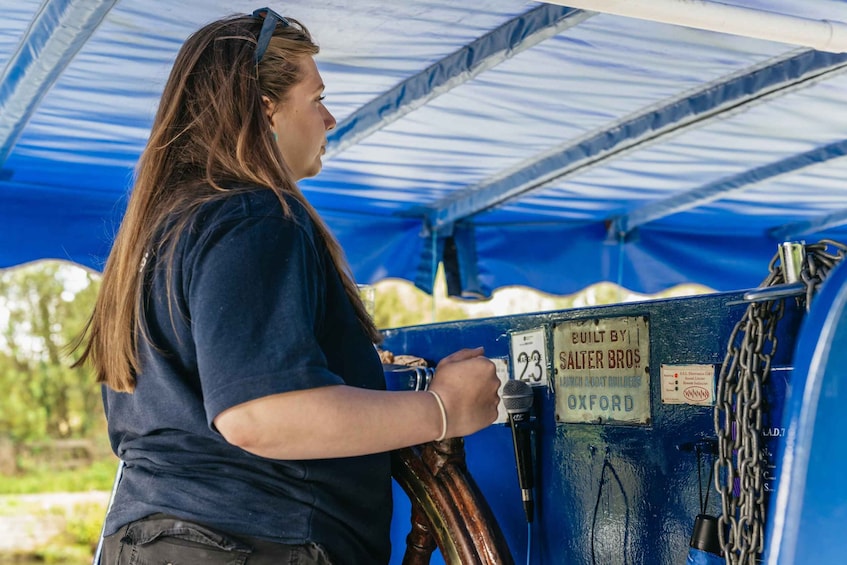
(517, 398)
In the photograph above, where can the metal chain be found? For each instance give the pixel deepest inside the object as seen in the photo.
(740, 464)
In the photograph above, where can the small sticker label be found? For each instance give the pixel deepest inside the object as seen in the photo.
(529, 356)
(688, 384)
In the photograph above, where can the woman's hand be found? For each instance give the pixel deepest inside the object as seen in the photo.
(468, 385)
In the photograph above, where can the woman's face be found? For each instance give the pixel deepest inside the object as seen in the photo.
(301, 122)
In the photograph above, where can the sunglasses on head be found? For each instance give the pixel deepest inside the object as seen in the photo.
(271, 19)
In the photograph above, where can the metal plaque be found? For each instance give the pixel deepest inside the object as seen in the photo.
(602, 373)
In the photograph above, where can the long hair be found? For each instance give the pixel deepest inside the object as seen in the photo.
(210, 134)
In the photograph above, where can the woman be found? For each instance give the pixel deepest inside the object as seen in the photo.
(243, 391)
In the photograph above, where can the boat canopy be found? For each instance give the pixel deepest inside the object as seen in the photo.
(514, 142)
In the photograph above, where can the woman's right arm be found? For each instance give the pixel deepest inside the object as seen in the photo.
(343, 421)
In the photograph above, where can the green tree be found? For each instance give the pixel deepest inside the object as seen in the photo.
(44, 397)
(399, 304)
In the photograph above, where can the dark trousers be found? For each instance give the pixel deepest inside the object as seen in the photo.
(166, 540)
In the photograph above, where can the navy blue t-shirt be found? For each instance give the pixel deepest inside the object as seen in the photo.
(259, 309)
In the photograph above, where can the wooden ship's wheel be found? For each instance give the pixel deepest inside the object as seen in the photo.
(448, 509)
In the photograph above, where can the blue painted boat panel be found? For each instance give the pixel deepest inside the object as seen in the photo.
(612, 494)
(807, 517)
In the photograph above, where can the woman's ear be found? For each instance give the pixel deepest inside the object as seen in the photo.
(270, 108)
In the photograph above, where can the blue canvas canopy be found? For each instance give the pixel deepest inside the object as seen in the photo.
(517, 142)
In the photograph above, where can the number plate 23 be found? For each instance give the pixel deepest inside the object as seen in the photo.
(529, 356)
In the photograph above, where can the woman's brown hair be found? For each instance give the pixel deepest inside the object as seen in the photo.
(211, 133)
